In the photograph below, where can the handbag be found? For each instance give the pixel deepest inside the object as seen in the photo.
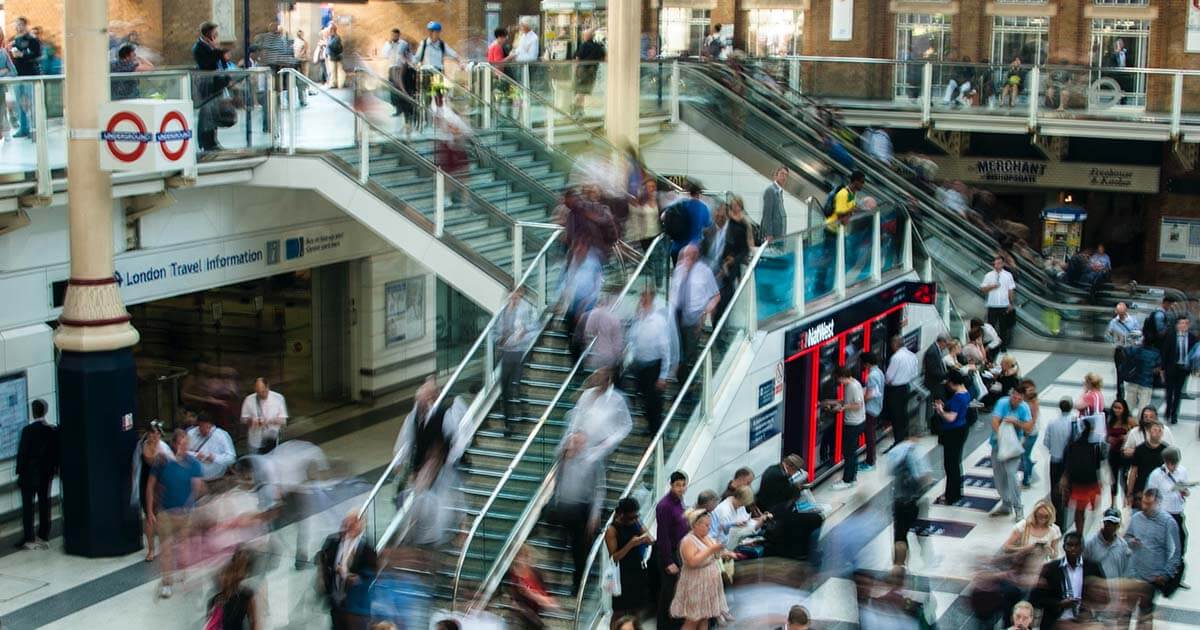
(225, 114)
(612, 579)
(1008, 445)
(727, 571)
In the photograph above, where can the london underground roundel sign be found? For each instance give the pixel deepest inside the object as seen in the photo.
(126, 136)
(174, 135)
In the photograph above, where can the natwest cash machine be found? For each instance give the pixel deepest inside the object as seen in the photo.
(815, 349)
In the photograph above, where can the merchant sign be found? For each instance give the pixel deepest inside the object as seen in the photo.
(1043, 174)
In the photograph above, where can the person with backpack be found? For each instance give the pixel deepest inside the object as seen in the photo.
(334, 49)
(685, 220)
(840, 204)
(713, 44)
(910, 475)
(1158, 324)
(432, 52)
(1081, 481)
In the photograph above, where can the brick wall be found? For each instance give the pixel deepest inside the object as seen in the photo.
(47, 14)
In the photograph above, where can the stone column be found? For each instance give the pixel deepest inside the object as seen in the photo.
(622, 94)
(96, 378)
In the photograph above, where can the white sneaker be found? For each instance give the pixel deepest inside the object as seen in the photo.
(842, 485)
(165, 591)
(31, 546)
(42, 544)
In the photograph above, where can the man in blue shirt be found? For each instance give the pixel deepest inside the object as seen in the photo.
(175, 483)
(874, 396)
(1012, 410)
(699, 218)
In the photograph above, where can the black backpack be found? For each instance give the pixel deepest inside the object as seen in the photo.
(676, 222)
(830, 204)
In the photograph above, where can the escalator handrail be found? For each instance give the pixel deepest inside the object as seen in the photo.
(462, 365)
(545, 417)
(408, 151)
(698, 366)
(548, 196)
(891, 196)
(904, 183)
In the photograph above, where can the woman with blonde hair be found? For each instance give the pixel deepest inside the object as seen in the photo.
(1037, 535)
(1091, 400)
(700, 595)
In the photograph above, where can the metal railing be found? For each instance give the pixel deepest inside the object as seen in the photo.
(490, 581)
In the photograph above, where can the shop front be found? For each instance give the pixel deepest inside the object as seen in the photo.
(564, 21)
(814, 350)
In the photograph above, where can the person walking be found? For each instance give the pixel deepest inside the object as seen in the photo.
(651, 358)
(209, 57)
(265, 414)
(673, 525)
(1028, 475)
(1082, 466)
(1147, 457)
(346, 565)
(588, 57)
(180, 481)
(26, 52)
(515, 333)
(150, 452)
(1176, 350)
(37, 465)
(902, 370)
(605, 332)
(628, 542)
(910, 474)
(1036, 537)
(1108, 549)
(233, 607)
(1001, 291)
(1157, 555)
(335, 49)
(953, 434)
(774, 216)
(873, 393)
(1011, 415)
(852, 406)
(1141, 433)
(575, 506)
(1141, 364)
(1171, 481)
(402, 76)
(694, 297)
(301, 53)
(700, 595)
(1067, 589)
(1123, 329)
(1119, 421)
(1057, 438)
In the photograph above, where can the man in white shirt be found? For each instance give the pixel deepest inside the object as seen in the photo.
(854, 416)
(602, 415)
(1001, 290)
(399, 59)
(902, 369)
(432, 53)
(211, 446)
(1123, 329)
(513, 335)
(266, 414)
(1171, 479)
(651, 360)
(694, 297)
(527, 43)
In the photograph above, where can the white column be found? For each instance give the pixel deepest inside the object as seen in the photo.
(93, 318)
(622, 71)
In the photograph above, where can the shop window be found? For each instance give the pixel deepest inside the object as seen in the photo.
(1118, 44)
(683, 30)
(920, 37)
(1024, 37)
(775, 31)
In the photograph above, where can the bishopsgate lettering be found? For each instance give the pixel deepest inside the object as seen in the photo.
(1010, 171)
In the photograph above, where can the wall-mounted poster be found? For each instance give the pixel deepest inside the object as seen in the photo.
(404, 310)
(14, 412)
(1179, 240)
(223, 17)
(841, 21)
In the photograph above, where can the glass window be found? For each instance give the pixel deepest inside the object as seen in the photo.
(1124, 3)
(683, 30)
(919, 37)
(775, 31)
(1024, 37)
(1117, 44)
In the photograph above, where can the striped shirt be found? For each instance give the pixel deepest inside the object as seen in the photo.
(274, 50)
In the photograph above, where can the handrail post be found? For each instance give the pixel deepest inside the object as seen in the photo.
(1034, 85)
(927, 94)
(660, 469)
(794, 75)
(272, 111)
(706, 388)
(839, 261)
(550, 126)
(543, 279)
(291, 145)
(907, 245)
(1176, 105)
(45, 185)
(798, 285)
(185, 94)
(439, 205)
(876, 248)
(674, 92)
(752, 296)
(946, 312)
(927, 270)
(489, 363)
(518, 249)
(486, 86)
(364, 152)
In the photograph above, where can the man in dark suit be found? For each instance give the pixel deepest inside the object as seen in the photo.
(1069, 588)
(934, 368)
(347, 563)
(774, 219)
(37, 463)
(1175, 351)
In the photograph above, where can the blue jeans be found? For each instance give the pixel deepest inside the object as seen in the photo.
(1027, 459)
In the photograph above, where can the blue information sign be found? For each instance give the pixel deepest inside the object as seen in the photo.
(766, 425)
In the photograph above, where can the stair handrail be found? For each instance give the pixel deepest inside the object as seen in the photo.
(462, 365)
(887, 171)
(652, 446)
(547, 195)
(545, 417)
(890, 195)
(408, 151)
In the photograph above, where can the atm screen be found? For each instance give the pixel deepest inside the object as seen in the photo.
(854, 350)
